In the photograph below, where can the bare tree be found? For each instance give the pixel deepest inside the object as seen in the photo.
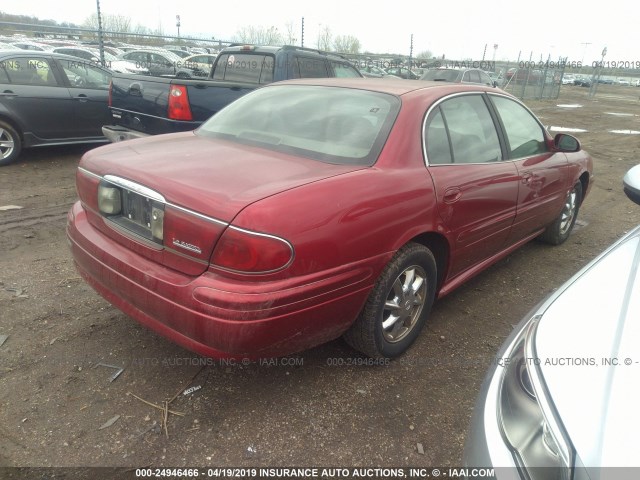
(290, 37)
(425, 55)
(259, 35)
(325, 38)
(111, 23)
(346, 44)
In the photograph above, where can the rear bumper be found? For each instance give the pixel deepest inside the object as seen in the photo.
(217, 316)
(116, 133)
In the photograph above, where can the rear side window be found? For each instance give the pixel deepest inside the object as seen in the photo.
(245, 67)
(29, 71)
(437, 140)
(441, 75)
(4, 78)
(309, 67)
(470, 132)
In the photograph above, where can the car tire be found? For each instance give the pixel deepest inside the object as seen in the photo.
(10, 144)
(398, 305)
(561, 228)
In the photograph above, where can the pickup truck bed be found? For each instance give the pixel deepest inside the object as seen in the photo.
(144, 105)
(140, 105)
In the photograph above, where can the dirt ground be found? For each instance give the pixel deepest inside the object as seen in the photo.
(58, 406)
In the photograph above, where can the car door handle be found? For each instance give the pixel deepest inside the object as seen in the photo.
(452, 195)
(8, 93)
(82, 97)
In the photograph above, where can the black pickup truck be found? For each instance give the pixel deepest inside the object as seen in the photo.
(144, 105)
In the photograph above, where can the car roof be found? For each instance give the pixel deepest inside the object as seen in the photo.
(393, 86)
(249, 48)
(48, 54)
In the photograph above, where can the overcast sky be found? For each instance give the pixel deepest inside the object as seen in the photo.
(458, 29)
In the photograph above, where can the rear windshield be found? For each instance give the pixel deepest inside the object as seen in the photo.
(329, 124)
(441, 75)
(253, 68)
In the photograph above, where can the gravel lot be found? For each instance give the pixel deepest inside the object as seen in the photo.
(324, 407)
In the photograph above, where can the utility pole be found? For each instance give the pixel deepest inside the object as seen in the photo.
(595, 78)
(302, 36)
(100, 36)
(411, 53)
(178, 25)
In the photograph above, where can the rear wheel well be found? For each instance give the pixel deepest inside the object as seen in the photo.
(440, 249)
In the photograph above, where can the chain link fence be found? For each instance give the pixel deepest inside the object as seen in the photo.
(533, 80)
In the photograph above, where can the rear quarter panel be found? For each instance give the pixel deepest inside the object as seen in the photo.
(365, 214)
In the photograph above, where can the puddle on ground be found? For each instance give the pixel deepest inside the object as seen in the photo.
(621, 114)
(626, 132)
(569, 105)
(567, 129)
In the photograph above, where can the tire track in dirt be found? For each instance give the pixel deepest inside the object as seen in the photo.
(12, 219)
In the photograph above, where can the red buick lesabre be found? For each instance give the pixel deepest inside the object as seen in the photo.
(311, 209)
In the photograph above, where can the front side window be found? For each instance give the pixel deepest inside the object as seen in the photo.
(329, 124)
(470, 132)
(486, 79)
(84, 75)
(525, 135)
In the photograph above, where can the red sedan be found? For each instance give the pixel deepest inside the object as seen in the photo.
(312, 209)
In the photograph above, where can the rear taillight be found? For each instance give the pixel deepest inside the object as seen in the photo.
(87, 186)
(179, 108)
(190, 234)
(244, 251)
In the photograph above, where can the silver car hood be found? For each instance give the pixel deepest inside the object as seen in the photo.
(588, 347)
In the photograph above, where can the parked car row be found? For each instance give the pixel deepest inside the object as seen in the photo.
(170, 61)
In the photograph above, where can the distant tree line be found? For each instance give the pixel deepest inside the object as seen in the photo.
(35, 21)
(260, 35)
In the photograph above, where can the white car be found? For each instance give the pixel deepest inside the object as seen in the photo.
(200, 61)
(111, 62)
(563, 391)
(624, 81)
(568, 78)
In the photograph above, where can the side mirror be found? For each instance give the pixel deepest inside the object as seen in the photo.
(631, 182)
(566, 143)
